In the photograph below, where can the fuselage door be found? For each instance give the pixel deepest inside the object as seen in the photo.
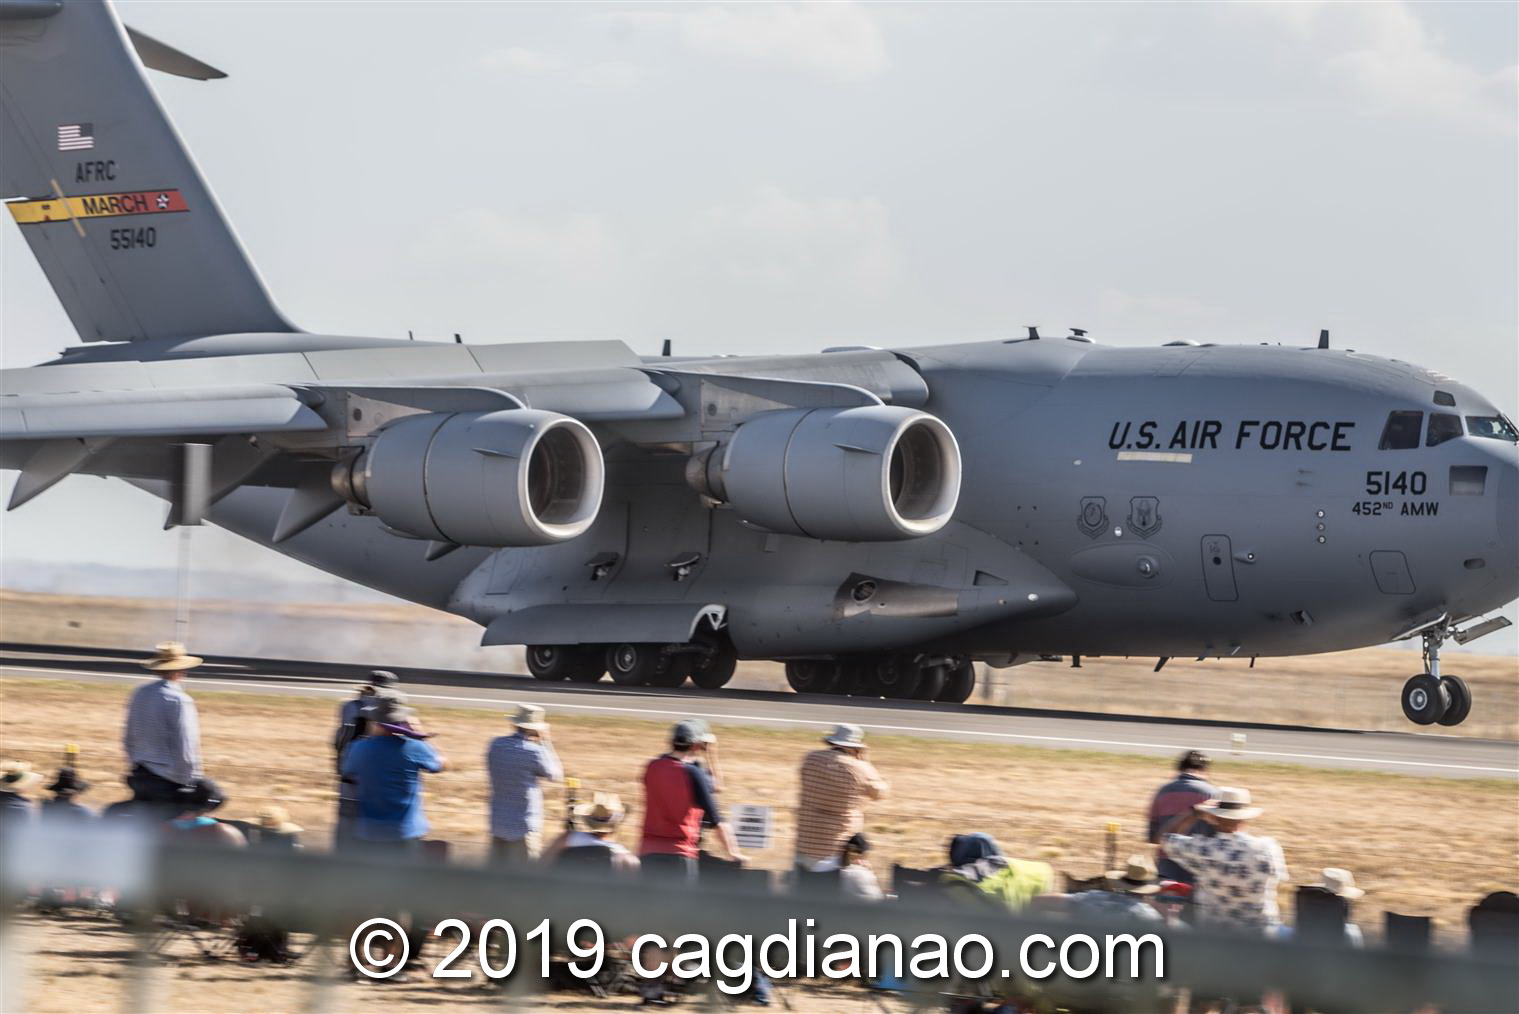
(1218, 568)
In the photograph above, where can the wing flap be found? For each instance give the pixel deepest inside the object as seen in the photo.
(211, 411)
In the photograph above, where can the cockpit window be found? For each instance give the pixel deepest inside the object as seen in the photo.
(1442, 427)
(1402, 431)
(1493, 427)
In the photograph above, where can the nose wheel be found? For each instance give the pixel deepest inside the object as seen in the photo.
(1430, 698)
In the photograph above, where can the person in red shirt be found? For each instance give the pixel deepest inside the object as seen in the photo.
(678, 801)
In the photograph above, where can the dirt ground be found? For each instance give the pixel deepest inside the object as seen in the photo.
(1351, 689)
(1418, 845)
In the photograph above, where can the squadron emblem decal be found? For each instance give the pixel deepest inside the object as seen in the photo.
(1144, 516)
(1094, 516)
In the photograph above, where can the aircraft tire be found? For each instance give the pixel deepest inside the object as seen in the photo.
(590, 664)
(932, 683)
(811, 675)
(1460, 700)
(897, 677)
(958, 683)
(711, 672)
(552, 662)
(673, 672)
(1424, 700)
(634, 665)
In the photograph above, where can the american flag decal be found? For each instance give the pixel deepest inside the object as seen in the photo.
(76, 136)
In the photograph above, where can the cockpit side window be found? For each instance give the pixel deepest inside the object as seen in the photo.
(1402, 431)
(1442, 427)
(1493, 427)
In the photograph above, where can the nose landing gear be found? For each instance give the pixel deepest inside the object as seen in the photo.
(1431, 698)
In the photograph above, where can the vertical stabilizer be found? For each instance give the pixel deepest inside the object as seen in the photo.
(105, 192)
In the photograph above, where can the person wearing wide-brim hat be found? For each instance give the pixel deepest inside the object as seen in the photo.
(1237, 872)
(518, 764)
(386, 768)
(836, 785)
(1127, 894)
(162, 736)
(17, 780)
(588, 841)
(64, 805)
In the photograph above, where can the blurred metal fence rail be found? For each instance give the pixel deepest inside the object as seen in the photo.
(328, 894)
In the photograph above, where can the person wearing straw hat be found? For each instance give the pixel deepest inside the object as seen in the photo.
(588, 842)
(1129, 894)
(162, 732)
(517, 764)
(17, 780)
(1237, 872)
(836, 784)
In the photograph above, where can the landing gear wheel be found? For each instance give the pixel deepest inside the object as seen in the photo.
(711, 671)
(673, 672)
(634, 665)
(898, 677)
(552, 662)
(811, 675)
(590, 664)
(932, 683)
(1460, 700)
(1424, 702)
(958, 683)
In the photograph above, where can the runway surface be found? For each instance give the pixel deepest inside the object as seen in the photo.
(1398, 753)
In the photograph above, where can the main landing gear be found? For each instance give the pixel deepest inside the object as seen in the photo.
(899, 677)
(1431, 698)
(708, 660)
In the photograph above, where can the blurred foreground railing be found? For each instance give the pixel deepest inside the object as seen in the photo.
(327, 895)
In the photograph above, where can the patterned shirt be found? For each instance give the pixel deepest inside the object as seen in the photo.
(163, 732)
(835, 789)
(516, 764)
(1237, 874)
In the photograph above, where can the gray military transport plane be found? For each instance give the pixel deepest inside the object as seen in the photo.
(877, 519)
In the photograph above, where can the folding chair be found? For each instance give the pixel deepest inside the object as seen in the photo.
(1494, 926)
(1321, 916)
(1407, 932)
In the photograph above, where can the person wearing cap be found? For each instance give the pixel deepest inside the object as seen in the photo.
(17, 780)
(351, 726)
(517, 764)
(162, 732)
(386, 767)
(836, 784)
(588, 842)
(1179, 795)
(1236, 872)
(65, 806)
(678, 801)
(1129, 894)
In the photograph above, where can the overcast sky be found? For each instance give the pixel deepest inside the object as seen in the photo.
(757, 178)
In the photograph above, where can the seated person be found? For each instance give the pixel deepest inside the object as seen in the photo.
(194, 823)
(1130, 894)
(275, 829)
(978, 870)
(856, 878)
(589, 841)
(65, 806)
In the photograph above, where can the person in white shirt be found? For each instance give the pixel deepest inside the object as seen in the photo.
(1237, 872)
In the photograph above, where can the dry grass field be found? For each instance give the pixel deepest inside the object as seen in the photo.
(1352, 689)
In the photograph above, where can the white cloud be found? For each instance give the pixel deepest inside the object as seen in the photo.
(779, 241)
(840, 40)
(611, 74)
(518, 60)
(1383, 54)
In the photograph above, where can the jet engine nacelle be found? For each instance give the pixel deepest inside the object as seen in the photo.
(513, 478)
(863, 474)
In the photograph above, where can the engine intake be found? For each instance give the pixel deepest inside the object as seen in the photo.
(864, 474)
(513, 478)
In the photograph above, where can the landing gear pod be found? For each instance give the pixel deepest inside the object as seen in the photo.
(864, 474)
(515, 478)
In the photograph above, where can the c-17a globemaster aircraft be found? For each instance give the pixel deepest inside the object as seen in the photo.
(877, 519)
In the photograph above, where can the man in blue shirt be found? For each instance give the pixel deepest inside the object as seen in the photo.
(386, 767)
(517, 763)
